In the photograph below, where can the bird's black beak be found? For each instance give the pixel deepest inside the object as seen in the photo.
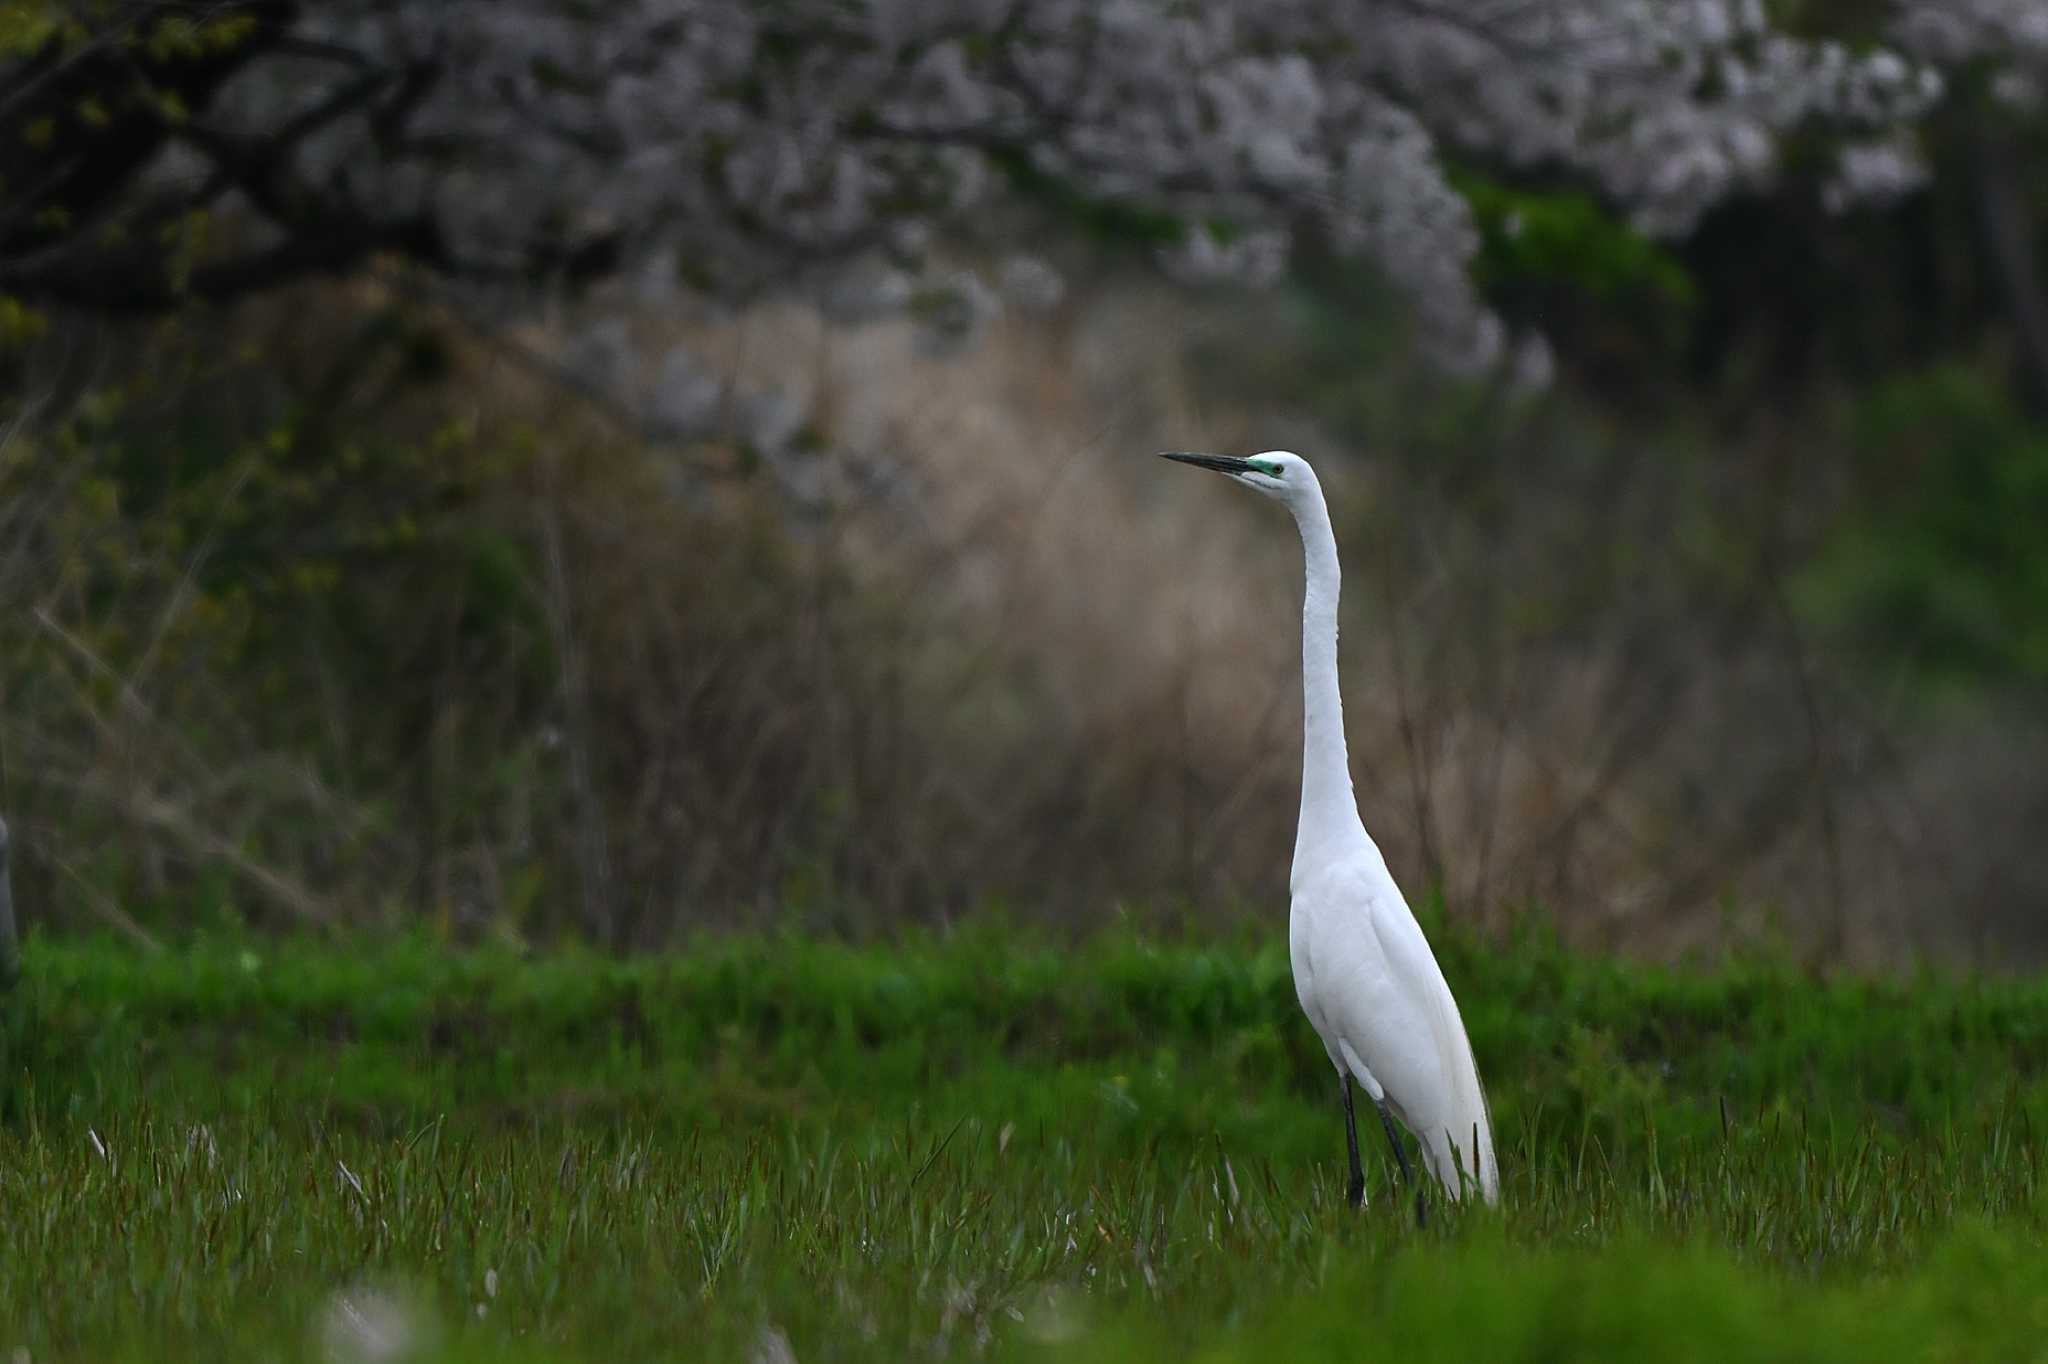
(1222, 464)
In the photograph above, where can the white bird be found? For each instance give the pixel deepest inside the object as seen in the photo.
(1362, 967)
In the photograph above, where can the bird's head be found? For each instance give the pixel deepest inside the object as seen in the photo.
(1278, 474)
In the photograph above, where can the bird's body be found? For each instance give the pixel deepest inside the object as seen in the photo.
(1363, 970)
(1372, 990)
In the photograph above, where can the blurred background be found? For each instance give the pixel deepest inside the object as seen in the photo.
(537, 473)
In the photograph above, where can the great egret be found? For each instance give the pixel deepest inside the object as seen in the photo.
(1362, 968)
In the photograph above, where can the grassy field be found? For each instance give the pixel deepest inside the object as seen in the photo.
(964, 1148)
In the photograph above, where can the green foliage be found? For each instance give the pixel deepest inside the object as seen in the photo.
(1567, 238)
(1102, 219)
(1488, 1299)
(26, 25)
(1940, 567)
(19, 324)
(1122, 1149)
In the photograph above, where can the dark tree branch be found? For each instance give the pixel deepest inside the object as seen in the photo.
(82, 168)
(323, 232)
(139, 283)
(258, 166)
(316, 49)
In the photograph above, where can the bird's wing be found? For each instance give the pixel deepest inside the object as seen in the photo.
(1448, 1111)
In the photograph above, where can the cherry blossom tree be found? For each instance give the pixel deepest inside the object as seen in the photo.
(154, 151)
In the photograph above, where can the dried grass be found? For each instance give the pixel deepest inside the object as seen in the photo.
(969, 641)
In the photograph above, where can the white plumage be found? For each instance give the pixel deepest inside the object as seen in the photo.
(1363, 971)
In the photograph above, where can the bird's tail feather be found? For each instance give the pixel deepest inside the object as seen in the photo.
(1460, 1150)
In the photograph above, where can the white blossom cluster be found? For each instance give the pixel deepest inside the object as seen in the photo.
(756, 144)
(2009, 36)
(1952, 32)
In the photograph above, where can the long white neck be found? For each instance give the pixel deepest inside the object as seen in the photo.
(1329, 814)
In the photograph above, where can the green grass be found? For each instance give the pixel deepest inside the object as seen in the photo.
(969, 1147)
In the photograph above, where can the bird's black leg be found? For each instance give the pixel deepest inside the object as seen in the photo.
(1355, 1191)
(1401, 1158)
